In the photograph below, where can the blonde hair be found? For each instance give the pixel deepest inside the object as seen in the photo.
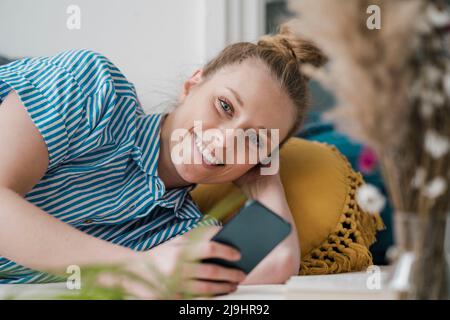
(283, 53)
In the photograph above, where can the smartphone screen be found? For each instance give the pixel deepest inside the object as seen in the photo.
(255, 231)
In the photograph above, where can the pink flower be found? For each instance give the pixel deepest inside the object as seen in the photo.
(367, 160)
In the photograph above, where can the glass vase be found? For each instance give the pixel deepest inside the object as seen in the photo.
(421, 268)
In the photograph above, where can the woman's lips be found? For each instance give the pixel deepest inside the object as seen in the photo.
(207, 159)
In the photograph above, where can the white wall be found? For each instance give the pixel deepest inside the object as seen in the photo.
(156, 43)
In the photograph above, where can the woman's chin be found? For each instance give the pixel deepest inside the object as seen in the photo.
(193, 173)
(201, 173)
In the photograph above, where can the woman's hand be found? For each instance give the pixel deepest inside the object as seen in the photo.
(284, 261)
(254, 184)
(180, 257)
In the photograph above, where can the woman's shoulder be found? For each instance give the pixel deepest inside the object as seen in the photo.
(78, 99)
(79, 57)
(92, 69)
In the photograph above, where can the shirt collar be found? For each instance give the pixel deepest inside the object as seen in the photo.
(147, 142)
(146, 154)
(175, 199)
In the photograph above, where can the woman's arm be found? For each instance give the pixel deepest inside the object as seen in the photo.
(37, 240)
(28, 235)
(284, 261)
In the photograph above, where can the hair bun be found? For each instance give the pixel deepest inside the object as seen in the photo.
(292, 46)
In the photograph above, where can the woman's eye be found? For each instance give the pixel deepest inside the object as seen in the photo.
(225, 106)
(255, 139)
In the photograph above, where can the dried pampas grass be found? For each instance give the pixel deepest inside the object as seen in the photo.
(368, 69)
(392, 87)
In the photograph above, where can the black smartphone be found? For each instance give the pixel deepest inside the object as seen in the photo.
(255, 231)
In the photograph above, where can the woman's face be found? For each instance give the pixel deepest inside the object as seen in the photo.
(212, 114)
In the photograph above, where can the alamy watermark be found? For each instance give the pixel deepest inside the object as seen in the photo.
(73, 281)
(373, 281)
(373, 22)
(73, 21)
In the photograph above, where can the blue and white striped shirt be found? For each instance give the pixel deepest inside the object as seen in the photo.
(103, 155)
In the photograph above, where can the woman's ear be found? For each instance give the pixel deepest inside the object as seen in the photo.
(193, 80)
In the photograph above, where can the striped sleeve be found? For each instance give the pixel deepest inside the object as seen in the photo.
(69, 97)
(191, 213)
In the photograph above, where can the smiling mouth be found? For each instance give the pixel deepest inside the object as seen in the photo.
(209, 158)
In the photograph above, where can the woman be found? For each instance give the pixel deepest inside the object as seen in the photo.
(87, 178)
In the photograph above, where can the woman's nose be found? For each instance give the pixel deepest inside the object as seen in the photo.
(220, 137)
(216, 139)
(222, 141)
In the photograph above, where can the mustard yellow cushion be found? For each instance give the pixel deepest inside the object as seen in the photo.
(320, 185)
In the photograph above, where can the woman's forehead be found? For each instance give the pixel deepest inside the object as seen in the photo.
(249, 68)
